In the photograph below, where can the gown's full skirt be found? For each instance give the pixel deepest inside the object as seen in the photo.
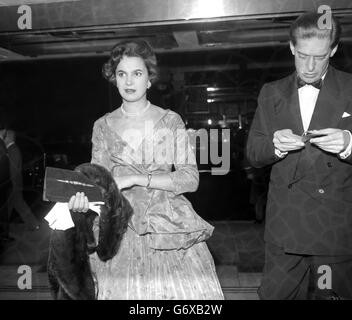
(139, 272)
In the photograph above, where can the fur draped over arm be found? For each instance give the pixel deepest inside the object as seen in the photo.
(68, 266)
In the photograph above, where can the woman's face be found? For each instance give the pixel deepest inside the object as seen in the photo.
(132, 78)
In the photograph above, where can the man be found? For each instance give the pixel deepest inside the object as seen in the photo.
(308, 230)
(16, 200)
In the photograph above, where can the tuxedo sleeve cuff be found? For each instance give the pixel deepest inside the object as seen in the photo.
(345, 154)
(280, 154)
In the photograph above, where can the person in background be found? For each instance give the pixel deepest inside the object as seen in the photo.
(5, 185)
(308, 228)
(16, 200)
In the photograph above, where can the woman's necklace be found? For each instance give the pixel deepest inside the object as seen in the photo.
(135, 114)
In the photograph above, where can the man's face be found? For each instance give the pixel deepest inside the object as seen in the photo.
(312, 57)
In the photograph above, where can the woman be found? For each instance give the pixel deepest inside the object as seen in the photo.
(163, 254)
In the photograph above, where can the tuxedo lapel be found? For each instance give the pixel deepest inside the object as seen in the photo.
(288, 112)
(327, 113)
(328, 108)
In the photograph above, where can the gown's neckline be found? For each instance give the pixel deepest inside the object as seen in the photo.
(142, 141)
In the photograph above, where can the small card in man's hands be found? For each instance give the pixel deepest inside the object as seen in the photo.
(309, 135)
(61, 184)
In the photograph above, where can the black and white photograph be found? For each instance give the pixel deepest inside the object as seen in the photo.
(175, 154)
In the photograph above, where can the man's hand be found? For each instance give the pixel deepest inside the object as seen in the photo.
(333, 141)
(285, 141)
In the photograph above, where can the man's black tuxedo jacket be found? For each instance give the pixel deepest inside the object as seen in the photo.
(309, 209)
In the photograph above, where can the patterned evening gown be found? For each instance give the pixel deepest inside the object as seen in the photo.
(163, 254)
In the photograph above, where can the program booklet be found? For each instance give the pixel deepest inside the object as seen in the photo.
(61, 184)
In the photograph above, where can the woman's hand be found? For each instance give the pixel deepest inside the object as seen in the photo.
(124, 182)
(78, 203)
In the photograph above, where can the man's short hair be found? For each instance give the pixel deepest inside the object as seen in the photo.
(308, 26)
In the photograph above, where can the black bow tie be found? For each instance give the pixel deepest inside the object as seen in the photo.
(316, 84)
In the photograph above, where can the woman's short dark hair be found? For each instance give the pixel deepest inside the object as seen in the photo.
(307, 26)
(130, 48)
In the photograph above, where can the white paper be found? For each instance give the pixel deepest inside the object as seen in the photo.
(59, 217)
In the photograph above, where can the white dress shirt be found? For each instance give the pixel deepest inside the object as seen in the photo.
(308, 96)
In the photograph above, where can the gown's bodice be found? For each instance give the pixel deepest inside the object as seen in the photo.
(166, 218)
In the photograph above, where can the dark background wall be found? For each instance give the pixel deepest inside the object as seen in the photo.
(53, 104)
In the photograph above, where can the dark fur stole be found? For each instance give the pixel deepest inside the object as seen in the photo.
(69, 272)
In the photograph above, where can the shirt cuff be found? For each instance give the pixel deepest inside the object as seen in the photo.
(347, 152)
(280, 154)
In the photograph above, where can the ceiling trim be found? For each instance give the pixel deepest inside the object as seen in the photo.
(85, 13)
